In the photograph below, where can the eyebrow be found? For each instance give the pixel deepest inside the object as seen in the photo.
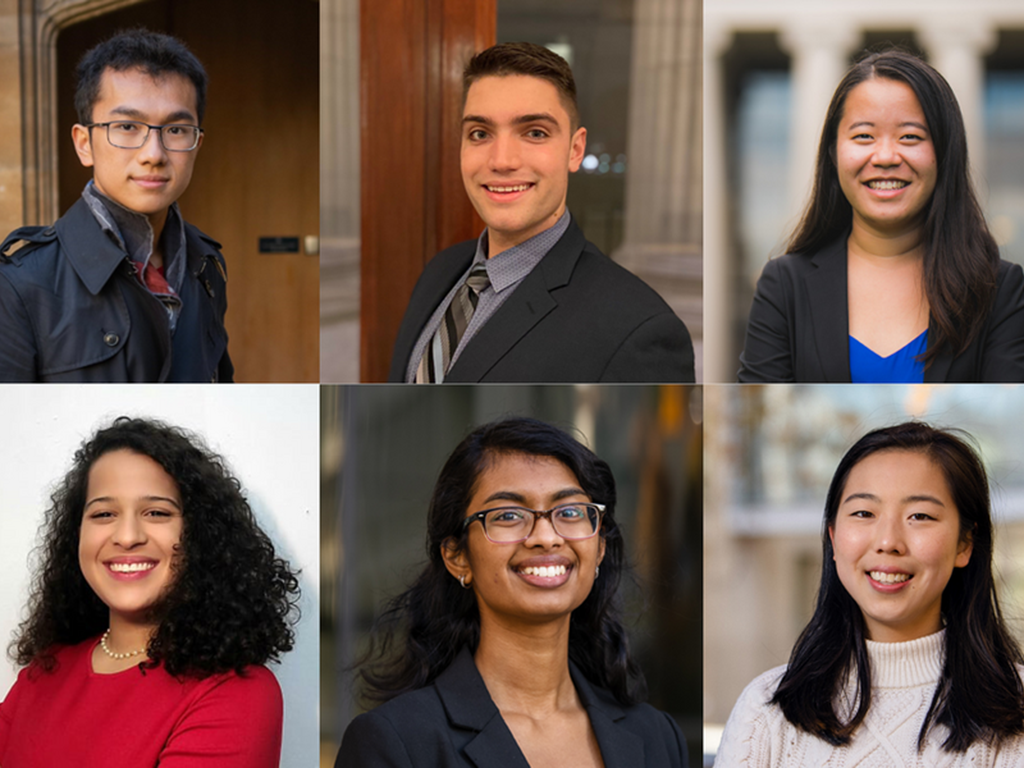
(111, 499)
(174, 117)
(520, 499)
(537, 117)
(911, 123)
(905, 500)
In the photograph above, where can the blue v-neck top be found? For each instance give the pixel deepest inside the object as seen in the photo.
(901, 367)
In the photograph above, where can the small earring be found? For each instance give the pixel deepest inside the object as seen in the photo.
(462, 581)
(597, 571)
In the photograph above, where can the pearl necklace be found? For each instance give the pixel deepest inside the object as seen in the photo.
(111, 654)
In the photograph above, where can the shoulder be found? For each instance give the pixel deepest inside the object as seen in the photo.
(194, 233)
(594, 271)
(255, 688)
(28, 249)
(1010, 280)
(392, 734)
(753, 724)
(659, 731)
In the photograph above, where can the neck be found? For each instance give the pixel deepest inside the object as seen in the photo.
(526, 669)
(499, 241)
(127, 634)
(898, 244)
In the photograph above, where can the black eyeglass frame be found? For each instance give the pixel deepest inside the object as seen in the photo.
(159, 132)
(536, 515)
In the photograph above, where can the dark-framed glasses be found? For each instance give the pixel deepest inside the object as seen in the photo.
(509, 525)
(131, 134)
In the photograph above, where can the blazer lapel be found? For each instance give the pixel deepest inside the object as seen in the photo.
(526, 307)
(468, 706)
(938, 371)
(619, 748)
(830, 314)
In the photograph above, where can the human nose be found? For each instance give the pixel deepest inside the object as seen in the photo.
(505, 154)
(543, 533)
(129, 532)
(153, 147)
(889, 536)
(886, 154)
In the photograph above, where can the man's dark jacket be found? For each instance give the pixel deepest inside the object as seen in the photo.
(73, 310)
(577, 317)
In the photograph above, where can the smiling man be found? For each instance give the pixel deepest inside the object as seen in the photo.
(121, 289)
(531, 300)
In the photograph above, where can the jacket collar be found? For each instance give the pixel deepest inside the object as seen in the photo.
(827, 288)
(93, 255)
(526, 307)
(468, 705)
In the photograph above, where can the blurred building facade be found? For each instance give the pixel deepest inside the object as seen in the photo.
(769, 73)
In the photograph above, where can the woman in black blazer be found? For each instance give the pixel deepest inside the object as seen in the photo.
(508, 650)
(892, 274)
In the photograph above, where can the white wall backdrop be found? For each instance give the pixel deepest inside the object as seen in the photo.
(269, 435)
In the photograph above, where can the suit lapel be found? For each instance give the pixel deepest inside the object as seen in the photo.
(830, 313)
(938, 371)
(530, 301)
(619, 748)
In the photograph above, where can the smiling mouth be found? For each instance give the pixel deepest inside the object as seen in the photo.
(544, 571)
(889, 578)
(131, 567)
(888, 184)
(507, 189)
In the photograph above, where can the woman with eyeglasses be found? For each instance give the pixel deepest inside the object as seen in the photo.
(907, 660)
(892, 275)
(157, 602)
(508, 650)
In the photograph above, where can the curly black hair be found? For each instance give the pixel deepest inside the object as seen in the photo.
(232, 602)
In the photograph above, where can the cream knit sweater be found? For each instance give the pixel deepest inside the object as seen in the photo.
(903, 680)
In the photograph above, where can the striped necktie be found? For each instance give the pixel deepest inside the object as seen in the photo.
(437, 357)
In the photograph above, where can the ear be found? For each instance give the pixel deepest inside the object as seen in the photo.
(600, 550)
(832, 540)
(200, 144)
(963, 551)
(83, 144)
(577, 148)
(455, 560)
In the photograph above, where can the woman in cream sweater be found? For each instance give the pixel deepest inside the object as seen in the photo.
(907, 660)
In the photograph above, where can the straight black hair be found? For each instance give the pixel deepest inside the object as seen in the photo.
(979, 695)
(154, 53)
(435, 618)
(961, 259)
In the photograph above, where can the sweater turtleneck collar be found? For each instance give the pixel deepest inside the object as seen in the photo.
(902, 665)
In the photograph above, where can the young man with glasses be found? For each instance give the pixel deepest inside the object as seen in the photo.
(531, 300)
(121, 289)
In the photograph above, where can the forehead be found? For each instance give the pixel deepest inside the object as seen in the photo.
(126, 473)
(501, 98)
(134, 90)
(523, 472)
(881, 99)
(897, 471)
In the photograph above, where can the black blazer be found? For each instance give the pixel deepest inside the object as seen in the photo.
(577, 317)
(453, 723)
(799, 326)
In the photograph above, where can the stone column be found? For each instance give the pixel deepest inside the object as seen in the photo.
(720, 360)
(955, 47)
(11, 176)
(663, 184)
(339, 191)
(820, 48)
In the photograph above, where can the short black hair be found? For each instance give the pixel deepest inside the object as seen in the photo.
(154, 53)
(527, 59)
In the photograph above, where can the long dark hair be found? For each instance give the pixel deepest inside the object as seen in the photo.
(979, 695)
(232, 601)
(961, 259)
(433, 619)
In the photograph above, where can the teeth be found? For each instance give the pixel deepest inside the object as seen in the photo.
(518, 188)
(888, 184)
(889, 578)
(131, 567)
(544, 570)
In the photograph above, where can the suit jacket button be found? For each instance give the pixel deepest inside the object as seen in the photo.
(111, 339)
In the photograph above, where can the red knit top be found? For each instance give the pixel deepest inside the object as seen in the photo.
(136, 719)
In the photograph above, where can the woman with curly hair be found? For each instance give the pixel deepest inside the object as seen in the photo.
(508, 650)
(892, 275)
(907, 660)
(157, 603)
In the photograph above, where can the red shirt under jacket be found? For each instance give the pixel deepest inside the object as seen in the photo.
(131, 719)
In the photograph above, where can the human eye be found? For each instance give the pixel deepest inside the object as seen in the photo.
(921, 516)
(862, 513)
(159, 513)
(125, 128)
(476, 134)
(100, 515)
(507, 516)
(572, 513)
(537, 133)
(176, 130)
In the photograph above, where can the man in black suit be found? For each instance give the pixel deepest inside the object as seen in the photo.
(531, 300)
